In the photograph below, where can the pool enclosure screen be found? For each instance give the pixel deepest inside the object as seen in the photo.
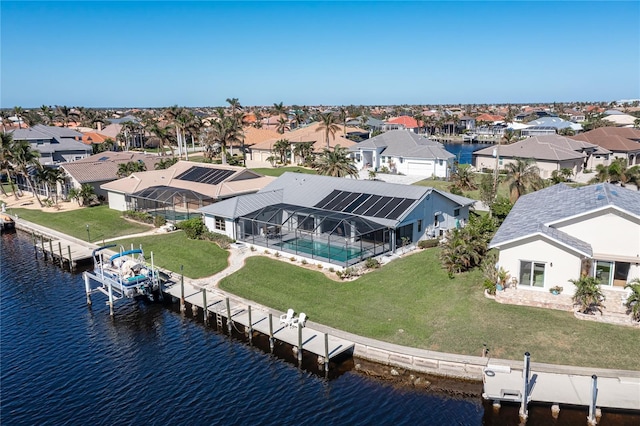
(174, 204)
(340, 238)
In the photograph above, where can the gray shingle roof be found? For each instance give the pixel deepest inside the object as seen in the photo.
(243, 205)
(536, 213)
(406, 144)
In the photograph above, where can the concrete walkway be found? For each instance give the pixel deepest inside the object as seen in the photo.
(238, 253)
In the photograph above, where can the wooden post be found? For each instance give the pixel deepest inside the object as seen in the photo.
(51, 249)
(35, 243)
(182, 306)
(591, 420)
(44, 253)
(271, 342)
(228, 316)
(250, 325)
(70, 260)
(205, 310)
(299, 345)
(155, 277)
(326, 354)
(524, 412)
(87, 286)
(60, 252)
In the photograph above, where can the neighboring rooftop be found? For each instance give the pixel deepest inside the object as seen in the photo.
(104, 166)
(550, 147)
(621, 139)
(406, 144)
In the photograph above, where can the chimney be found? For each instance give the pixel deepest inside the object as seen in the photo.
(99, 126)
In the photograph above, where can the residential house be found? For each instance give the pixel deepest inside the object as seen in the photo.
(261, 151)
(557, 234)
(101, 168)
(619, 118)
(55, 144)
(336, 221)
(404, 122)
(177, 192)
(549, 126)
(402, 151)
(623, 142)
(553, 152)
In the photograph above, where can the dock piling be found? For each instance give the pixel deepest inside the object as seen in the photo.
(182, 305)
(44, 253)
(60, 253)
(51, 250)
(326, 354)
(250, 325)
(205, 309)
(70, 260)
(271, 342)
(35, 243)
(299, 345)
(228, 315)
(592, 420)
(87, 286)
(524, 411)
(110, 299)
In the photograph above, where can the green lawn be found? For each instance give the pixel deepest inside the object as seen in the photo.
(412, 302)
(199, 258)
(503, 188)
(280, 170)
(103, 222)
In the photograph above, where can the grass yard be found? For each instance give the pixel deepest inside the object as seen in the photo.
(103, 222)
(412, 302)
(503, 188)
(199, 258)
(280, 170)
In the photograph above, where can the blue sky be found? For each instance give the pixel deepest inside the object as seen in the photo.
(200, 53)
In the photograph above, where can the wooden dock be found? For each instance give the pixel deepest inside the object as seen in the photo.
(252, 319)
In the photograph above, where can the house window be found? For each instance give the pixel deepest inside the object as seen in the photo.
(357, 157)
(456, 212)
(531, 273)
(440, 162)
(611, 273)
(219, 223)
(419, 225)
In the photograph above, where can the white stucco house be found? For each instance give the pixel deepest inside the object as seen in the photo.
(402, 151)
(556, 234)
(339, 221)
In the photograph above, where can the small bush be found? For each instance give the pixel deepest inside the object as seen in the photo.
(220, 239)
(267, 252)
(293, 259)
(490, 286)
(138, 216)
(159, 221)
(372, 263)
(276, 254)
(252, 248)
(319, 265)
(304, 262)
(193, 228)
(423, 244)
(331, 269)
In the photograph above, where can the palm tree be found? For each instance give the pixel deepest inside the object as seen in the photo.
(282, 147)
(280, 110)
(18, 112)
(521, 176)
(225, 131)
(329, 125)
(25, 160)
(166, 163)
(304, 150)
(164, 134)
(4, 115)
(65, 114)
(299, 116)
(463, 178)
(633, 300)
(126, 169)
(336, 163)
(342, 114)
(6, 161)
(588, 295)
(48, 114)
(50, 177)
(283, 125)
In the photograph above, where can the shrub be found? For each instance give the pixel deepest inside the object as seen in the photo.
(159, 221)
(276, 254)
(347, 273)
(490, 286)
(319, 265)
(220, 239)
(138, 216)
(455, 190)
(193, 228)
(252, 248)
(423, 244)
(331, 269)
(304, 262)
(372, 263)
(293, 259)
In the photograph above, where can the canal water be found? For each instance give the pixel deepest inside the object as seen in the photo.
(464, 151)
(63, 363)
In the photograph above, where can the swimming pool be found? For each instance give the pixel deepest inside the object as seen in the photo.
(321, 249)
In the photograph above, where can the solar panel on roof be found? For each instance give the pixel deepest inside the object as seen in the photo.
(392, 204)
(345, 201)
(206, 175)
(400, 208)
(356, 203)
(377, 206)
(367, 204)
(337, 199)
(327, 199)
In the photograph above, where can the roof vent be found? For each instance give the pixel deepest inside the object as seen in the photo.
(599, 188)
(103, 158)
(600, 197)
(614, 192)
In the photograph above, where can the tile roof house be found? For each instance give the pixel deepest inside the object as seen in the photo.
(336, 221)
(404, 122)
(623, 142)
(102, 168)
(402, 151)
(55, 144)
(261, 151)
(553, 152)
(554, 235)
(549, 126)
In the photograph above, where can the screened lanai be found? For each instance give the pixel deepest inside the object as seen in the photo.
(174, 204)
(335, 237)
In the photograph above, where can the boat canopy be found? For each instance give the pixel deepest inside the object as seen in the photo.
(125, 253)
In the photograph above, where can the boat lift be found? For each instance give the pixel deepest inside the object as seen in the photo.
(111, 274)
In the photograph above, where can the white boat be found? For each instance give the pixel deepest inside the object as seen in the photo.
(127, 273)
